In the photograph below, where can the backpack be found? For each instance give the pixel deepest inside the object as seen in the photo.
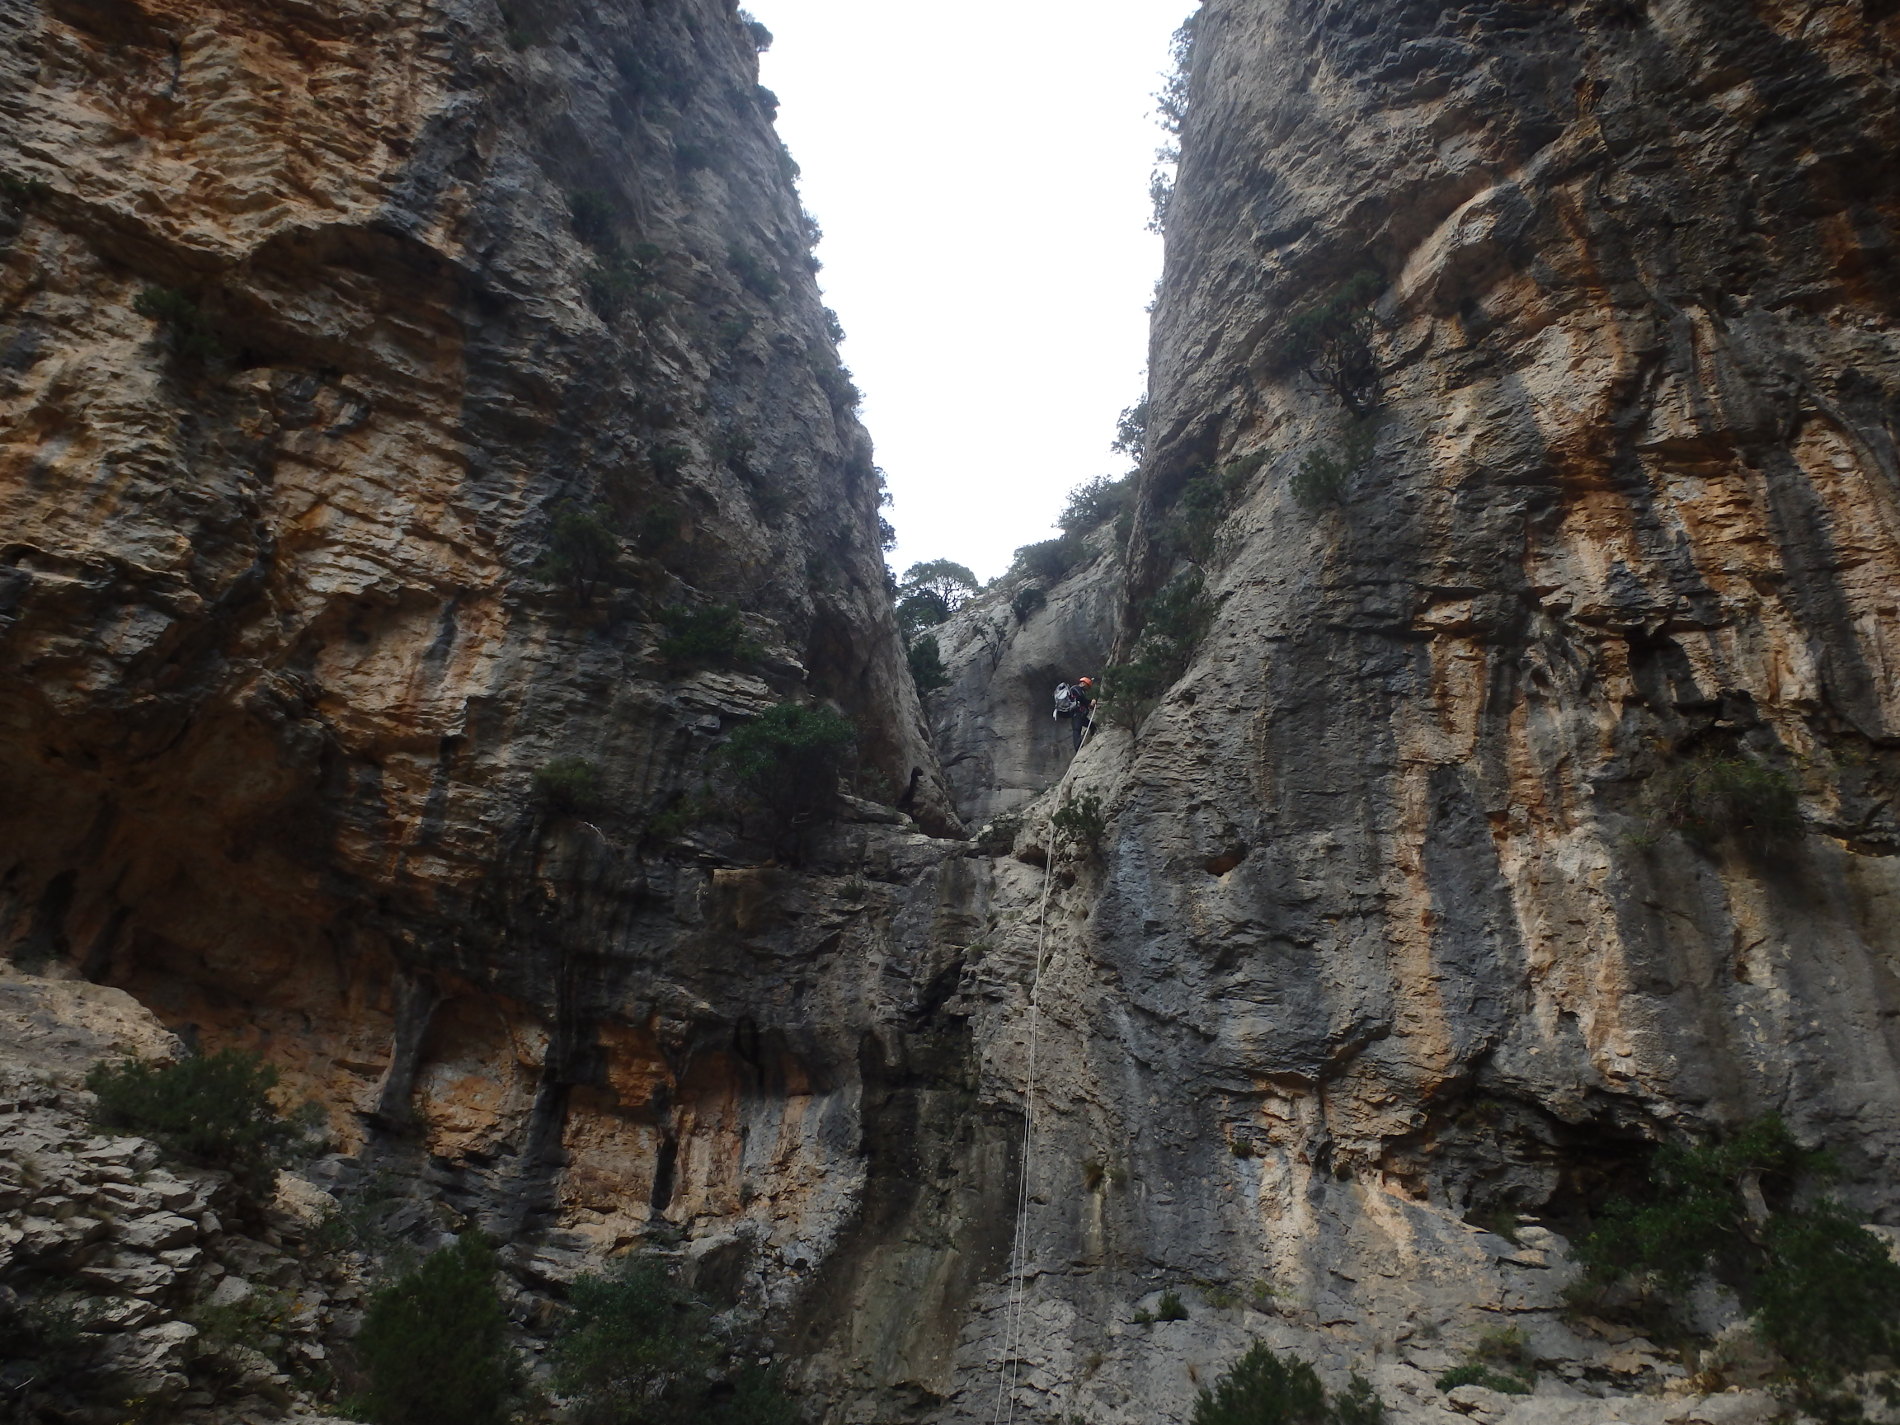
(1067, 700)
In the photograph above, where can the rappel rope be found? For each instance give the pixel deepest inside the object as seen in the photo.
(1015, 1310)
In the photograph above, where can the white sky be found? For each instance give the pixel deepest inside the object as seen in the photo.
(981, 174)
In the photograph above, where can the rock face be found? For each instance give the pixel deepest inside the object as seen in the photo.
(383, 387)
(1512, 578)
(1398, 922)
(1005, 651)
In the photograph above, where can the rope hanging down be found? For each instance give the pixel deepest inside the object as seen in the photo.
(1009, 1372)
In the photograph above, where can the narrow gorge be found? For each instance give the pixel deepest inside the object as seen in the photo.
(437, 524)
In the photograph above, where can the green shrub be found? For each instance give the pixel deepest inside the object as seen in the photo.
(926, 664)
(582, 552)
(1331, 342)
(568, 784)
(213, 1110)
(756, 275)
(1818, 1287)
(593, 215)
(1471, 1373)
(708, 635)
(1082, 822)
(920, 609)
(1326, 471)
(1094, 503)
(1713, 795)
(1026, 601)
(760, 36)
(953, 584)
(1170, 1307)
(434, 1344)
(788, 759)
(1266, 1389)
(1173, 624)
(1049, 559)
(23, 190)
(49, 1353)
(635, 1350)
(1131, 432)
(187, 332)
(668, 460)
(834, 379)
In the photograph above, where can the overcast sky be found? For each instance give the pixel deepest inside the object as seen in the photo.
(981, 174)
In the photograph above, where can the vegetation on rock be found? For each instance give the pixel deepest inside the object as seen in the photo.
(434, 1344)
(926, 664)
(706, 635)
(1820, 1289)
(1714, 795)
(187, 333)
(1082, 822)
(1327, 470)
(1331, 343)
(1174, 622)
(568, 784)
(582, 552)
(635, 1349)
(211, 1110)
(787, 762)
(1263, 1388)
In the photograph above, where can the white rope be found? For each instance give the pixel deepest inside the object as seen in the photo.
(1015, 1309)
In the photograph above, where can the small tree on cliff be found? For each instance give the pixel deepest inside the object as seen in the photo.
(787, 762)
(1266, 1389)
(212, 1111)
(635, 1350)
(948, 582)
(435, 1346)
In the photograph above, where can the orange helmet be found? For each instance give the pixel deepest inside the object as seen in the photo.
(1085, 682)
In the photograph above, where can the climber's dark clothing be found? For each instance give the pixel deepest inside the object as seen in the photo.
(1079, 719)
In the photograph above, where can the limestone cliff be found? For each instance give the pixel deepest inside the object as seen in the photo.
(1522, 449)
(1521, 462)
(383, 386)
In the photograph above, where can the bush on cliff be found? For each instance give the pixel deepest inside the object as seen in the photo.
(1049, 559)
(182, 322)
(706, 636)
(1714, 795)
(582, 552)
(787, 762)
(568, 784)
(926, 664)
(434, 1344)
(211, 1110)
(1094, 503)
(1820, 1289)
(635, 1350)
(1262, 1388)
(1173, 624)
(1327, 470)
(1331, 342)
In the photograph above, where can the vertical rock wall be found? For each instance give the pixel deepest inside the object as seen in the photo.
(1392, 932)
(320, 320)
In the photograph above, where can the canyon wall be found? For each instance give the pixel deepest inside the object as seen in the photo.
(383, 388)
(1399, 928)
(388, 391)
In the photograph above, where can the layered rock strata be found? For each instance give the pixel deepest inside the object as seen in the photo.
(400, 402)
(1399, 925)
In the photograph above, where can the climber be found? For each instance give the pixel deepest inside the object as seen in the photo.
(1076, 701)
